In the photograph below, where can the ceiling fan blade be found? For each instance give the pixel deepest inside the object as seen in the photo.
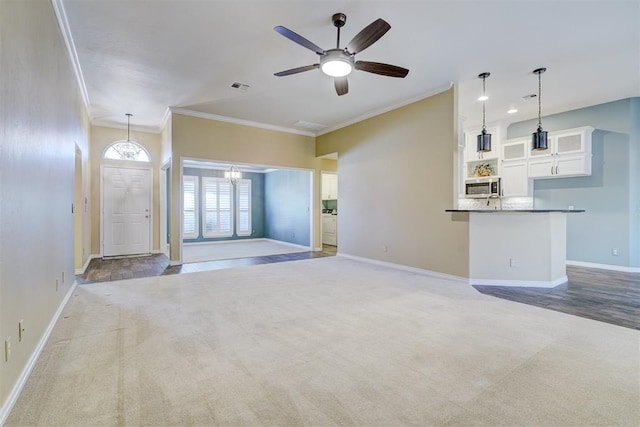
(297, 70)
(368, 36)
(297, 38)
(382, 69)
(342, 85)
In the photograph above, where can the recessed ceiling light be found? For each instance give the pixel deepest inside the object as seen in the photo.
(483, 98)
(512, 111)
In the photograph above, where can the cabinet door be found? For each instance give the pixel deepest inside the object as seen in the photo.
(515, 181)
(569, 143)
(543, 167)
(329, 186)
(575, 165)
(514, 150)
(334, 187)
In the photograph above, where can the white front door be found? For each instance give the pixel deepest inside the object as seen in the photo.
(126, 205)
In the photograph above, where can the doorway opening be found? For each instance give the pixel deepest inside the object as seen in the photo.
(266, 211)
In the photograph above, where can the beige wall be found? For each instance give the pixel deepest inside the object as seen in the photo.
(199, 138)
(101, 138)
(42, 121)
(395, 174)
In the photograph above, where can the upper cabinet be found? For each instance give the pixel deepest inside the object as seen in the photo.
(569, 154)
(329, 186)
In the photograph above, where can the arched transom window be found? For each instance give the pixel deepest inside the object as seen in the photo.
(127, 150)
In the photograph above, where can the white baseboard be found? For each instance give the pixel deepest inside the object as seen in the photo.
(309, 248)
(86, 263)
(604, 266)
(520, 283)
(423, 272)
(24, 376)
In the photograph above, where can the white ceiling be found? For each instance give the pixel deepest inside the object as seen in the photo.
(142, 56)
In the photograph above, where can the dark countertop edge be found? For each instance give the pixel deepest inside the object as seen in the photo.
(516, 210)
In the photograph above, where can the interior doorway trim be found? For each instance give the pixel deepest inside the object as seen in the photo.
(120, 165)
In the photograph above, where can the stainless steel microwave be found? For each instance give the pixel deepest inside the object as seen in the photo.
(482, 188)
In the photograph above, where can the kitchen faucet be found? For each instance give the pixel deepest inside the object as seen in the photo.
(494, 196)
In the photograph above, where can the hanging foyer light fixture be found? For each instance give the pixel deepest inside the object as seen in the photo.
(484, 139)
(128, 149)
(539, 137)
(233, 175)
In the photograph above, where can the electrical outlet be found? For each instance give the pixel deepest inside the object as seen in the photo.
(512, 263)
(7, 349)
(385, 248)
(614, 251)
(20, 330)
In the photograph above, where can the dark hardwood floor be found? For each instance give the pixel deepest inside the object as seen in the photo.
(604, 295)
(108, 269)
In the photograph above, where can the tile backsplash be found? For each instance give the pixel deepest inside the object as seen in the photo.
(509, 203)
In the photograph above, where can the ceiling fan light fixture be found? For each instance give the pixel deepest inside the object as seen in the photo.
(336, 63)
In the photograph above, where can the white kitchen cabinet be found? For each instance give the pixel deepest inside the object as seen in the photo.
(471, 145)
(569, 154)
(515, 180)
(329, 186)
(514, 149)
(330, 229)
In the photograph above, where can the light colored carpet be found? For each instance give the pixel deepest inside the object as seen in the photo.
(236, 249)
(328, 341)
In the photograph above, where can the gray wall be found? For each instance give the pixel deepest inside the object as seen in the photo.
(609, 195)
(287, 206)
(42, 120)
(257, 204)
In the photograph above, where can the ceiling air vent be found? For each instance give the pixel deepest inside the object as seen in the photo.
(309, 126)
(240, 86)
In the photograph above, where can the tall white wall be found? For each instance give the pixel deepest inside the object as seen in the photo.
(42, 119)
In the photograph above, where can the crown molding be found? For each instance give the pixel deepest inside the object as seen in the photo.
(165, 119)
(373, 113)
(209, 116)
(63, 24)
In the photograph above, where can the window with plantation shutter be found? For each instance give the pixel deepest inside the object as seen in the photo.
(243, 213)
(189, 207)
(217, 209)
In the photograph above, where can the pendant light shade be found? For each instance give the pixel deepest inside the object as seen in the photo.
(484, 139)
(539, 137)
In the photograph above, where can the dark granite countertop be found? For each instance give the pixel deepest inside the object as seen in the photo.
(516, 210)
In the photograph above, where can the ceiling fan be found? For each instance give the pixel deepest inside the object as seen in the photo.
(338, 63)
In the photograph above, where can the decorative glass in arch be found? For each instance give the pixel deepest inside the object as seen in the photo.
(127, 150)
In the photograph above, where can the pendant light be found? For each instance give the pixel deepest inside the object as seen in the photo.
(539, 137)
(128, 149)
(484, 139)
(233, 175)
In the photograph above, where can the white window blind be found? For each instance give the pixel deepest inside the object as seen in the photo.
(189, 204)
(217, 208)
(243, 197)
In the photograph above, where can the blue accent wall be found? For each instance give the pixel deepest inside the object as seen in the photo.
(257, 204)
(610, 195)
(287, 206)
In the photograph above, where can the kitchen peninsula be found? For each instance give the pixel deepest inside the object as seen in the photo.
(516, 247)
